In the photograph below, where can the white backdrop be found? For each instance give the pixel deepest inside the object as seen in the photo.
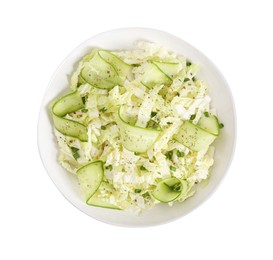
(38, 223)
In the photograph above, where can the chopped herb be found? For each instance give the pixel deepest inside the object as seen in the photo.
(206, 114)
(109, 167)
(136, 153)
(103, 127)
(153, 114)
(76, 155)
(177, 94)
(143, 168)
(169, 123)
(153, 124)
(180, 154)
(192, 117)
(172, 168)
(176, 187)
(188, 63)
(169, 155)
(146, 195)
(221, 125)
(84, 110)
(186, 79)
(193, 79)
(75, 152)
(84, 99)
(74, 149)
(137, 190)
(103, 109)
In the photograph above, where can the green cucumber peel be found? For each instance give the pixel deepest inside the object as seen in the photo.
(90, 177)
(168, 189)
(193, 137)
(68, 104)
(135, 138)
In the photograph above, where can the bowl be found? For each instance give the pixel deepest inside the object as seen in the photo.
(221, 99)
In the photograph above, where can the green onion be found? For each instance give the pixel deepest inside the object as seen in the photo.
(169, 155)
(146, 195)
(84, 99)
(176, 187)
(188, 63)
(186, 79)
(180, 154)
(75, 152)
(109, 167)
(192, 117)
(221, 125)
(103, 109)
(76, 155)
(103, 127)
(153, 114)
(84, 110)
(74, 149)
(206, 114)
(172, 168)
(137, 190)
(153, 124)
(143, 168)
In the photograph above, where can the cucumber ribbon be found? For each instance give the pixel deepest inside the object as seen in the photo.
(134, 138)
(104, 70)
(65, 105)
(101, 69)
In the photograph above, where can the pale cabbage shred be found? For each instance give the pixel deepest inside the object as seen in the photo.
(124, 172)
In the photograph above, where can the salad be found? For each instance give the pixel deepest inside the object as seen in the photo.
(136, 128)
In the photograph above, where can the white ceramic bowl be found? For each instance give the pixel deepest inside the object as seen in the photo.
(218, 90)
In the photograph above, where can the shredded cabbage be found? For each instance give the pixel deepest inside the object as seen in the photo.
(134, 176)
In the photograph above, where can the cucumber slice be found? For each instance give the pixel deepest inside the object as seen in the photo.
(68, 104)
(96, 199)
(119, 65)
(154, 76)
(134, 138)
(209, 124)
(90, 177)
(169, 68)
(168, 189)
(99, 73)
(70, 128)
(194, 137)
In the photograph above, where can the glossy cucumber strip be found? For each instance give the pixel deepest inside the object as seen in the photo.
(68, 104)
(99, 73)
(119, 65)
(70, 128)
(90, 177)
(210, 124)
(168, 189)
(194, 137)
(97, 201)
(134, 138)
(154, 76)
(169, 68)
